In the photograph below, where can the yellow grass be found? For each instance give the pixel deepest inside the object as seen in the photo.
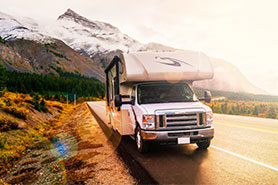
(14, 143)
(15, 104)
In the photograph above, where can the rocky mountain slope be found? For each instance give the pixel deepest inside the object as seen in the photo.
(93, 44)
(30, 56)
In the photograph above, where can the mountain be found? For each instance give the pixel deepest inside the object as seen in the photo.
(93, 44)
(26, 49)
(30, 56)
(93, 39)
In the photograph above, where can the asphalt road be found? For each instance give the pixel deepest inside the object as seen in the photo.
(243, 151)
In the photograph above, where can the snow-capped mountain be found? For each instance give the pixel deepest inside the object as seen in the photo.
(98, 42)
(12, 28)
(93, 36)
(90, 38)
(75, 30)
(29, 48)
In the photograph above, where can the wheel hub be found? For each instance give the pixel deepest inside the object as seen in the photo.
(138, 138)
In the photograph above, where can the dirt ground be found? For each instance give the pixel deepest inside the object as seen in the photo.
(79, 154)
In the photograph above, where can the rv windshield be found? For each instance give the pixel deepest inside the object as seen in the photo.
(164, 93)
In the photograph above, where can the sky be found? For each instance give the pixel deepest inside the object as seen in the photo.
(244, 33)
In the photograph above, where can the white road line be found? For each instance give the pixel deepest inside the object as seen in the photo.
(245, 158)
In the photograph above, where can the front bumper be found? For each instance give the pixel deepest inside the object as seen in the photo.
(170, 137)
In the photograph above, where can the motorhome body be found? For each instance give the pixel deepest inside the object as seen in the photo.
(149, 95)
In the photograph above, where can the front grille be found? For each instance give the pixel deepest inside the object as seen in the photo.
(161, 121)
(181, 121)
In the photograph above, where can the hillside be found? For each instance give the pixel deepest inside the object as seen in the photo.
(31, 56)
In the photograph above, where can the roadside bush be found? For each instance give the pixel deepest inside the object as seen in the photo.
(55, 104)
(35, 102)
(3, 92)
(2, 141)
(13, 145)
(19, 112)
(2, 103)
(43, 106)
(39, 104)
(271, 113)
(6, 124)
(84, 99)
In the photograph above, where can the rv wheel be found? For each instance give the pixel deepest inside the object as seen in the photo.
(204, 144)
(142, 146)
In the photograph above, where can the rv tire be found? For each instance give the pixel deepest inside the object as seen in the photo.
(203, 144)
(142, 146)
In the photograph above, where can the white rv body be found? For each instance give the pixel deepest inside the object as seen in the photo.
(165, 66)
(179, 122)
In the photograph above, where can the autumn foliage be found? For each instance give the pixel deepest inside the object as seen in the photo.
(246, 108)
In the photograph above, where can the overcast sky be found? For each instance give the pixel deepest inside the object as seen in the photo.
(242, 32)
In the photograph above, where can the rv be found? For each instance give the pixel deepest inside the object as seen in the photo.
(149, 96)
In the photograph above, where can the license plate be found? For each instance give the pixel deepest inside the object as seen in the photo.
(184, 140)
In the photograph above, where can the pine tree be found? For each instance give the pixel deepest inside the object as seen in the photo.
(43, 106)
(3, 78)
(271, 113)
(255, 111)
(36, 103)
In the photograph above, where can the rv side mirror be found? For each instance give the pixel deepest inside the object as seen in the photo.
(118, 100)
(131, 101)
(207, 95)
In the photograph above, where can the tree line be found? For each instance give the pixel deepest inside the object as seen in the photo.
(245, 108)
(51, 84)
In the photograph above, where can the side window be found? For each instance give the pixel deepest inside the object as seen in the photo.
(115, 86)
(110, 86)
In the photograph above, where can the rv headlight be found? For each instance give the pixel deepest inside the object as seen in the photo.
(209, 116)
(148, 122)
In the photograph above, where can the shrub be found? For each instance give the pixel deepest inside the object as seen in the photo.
(19, 112)
(13, 145)
(43, 106)
(57, 97)
(271, 113)
(55, 104)
(35, 102)
(39, 104)
(2, 103)
(6, 124)
(3, 92)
